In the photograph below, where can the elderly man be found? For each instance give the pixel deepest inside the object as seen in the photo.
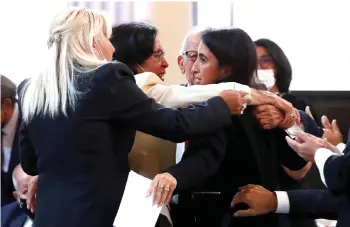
(188, 53)
(16, 213)
(9, 138)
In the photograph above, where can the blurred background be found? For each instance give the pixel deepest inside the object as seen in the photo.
(313, 34)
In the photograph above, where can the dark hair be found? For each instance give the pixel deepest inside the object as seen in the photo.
(8, 89)
(282, 65)
(133, 42)
(233, 47)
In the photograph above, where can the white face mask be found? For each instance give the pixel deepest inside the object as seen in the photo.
(267, 77)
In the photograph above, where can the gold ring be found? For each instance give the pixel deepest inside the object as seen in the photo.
(167, 189)
(292, 115)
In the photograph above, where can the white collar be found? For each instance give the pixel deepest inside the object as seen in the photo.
(10, 127)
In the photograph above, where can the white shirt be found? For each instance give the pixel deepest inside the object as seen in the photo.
(9, 134)
(180, 150)
(321, 156)
(28, 223)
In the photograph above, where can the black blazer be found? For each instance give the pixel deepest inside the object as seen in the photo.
(12, 215)
(251, 156)
(337, 172)
(82, 159)
(6, 178)
(315, 204)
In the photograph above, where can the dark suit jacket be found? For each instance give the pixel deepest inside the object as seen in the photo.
(252, 156)
(6, 178)
(313, 203)
(12, 215)
(82, 159)
(337, 172)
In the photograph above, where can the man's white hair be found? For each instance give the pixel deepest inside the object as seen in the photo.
(194, 31)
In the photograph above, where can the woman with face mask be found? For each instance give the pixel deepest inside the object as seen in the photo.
(275, 71)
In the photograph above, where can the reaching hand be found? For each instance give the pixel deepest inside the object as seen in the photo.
(306, 145)
(268, 116)
(331, 131)
(260, 200)
(162, 187)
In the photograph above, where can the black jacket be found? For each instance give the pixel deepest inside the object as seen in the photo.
(82, 159)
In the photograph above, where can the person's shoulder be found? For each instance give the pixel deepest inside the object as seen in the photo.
(113, 70)
(10, 208)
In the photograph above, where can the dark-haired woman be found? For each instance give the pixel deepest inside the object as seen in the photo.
(275, 71)
(249, 154)
(138, 46)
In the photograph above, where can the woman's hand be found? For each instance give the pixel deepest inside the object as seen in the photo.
(331, 131)
(235, 100)
(270, 117)
(259, 97)
(162, 187)
(31, 194)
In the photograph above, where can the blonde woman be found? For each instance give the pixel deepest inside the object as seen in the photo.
(80, 116)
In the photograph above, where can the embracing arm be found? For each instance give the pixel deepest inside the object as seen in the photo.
(180, 96)
(131, 107)
(202, 160)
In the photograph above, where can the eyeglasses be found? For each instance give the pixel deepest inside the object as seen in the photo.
(159, 55)
(265, 61)
(191, 55)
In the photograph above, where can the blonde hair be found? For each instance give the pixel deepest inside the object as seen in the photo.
(70, 51)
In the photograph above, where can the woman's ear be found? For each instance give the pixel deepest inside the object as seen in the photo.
(227, 70)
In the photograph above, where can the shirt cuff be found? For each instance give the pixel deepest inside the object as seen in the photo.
(283, 205)
(292, 131)
(341, 147)
(321, 156)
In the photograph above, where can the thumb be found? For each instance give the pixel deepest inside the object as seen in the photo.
(308, 112)
(245, 213)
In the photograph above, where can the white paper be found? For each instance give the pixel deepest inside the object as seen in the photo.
(135, 209)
